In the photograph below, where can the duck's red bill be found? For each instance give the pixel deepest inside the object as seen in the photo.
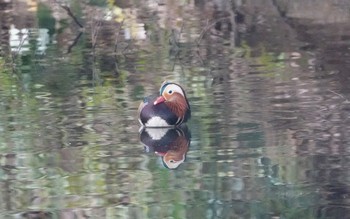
(159, 100)
(160, 153)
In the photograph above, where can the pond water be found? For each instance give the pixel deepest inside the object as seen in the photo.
(269, 91)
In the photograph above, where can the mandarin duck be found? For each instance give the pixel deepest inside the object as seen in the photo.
(170, 143)
(170, 109)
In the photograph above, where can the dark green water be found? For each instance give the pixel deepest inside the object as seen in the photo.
(268, 86)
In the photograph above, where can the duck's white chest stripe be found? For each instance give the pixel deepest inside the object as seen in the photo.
(157, 134)
(179, 120)
(156, 121)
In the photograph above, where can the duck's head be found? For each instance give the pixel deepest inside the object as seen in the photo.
(172, 159)
(172, 93)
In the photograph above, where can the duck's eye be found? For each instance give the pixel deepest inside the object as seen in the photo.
(170, 91)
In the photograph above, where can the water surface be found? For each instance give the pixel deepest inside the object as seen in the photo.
(268, 86)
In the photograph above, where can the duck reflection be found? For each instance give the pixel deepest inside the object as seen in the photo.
(170, 143)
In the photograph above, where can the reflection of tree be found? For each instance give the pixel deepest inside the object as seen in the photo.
(59, 116)
(5, 17)
(315, 116)
(45, 18)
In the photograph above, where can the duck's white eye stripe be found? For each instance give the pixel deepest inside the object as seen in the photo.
(174, 88)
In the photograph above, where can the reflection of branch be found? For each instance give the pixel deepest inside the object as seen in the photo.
(22, 43)
(116, 68)
(69, 12)
(72, 15)
(126, 47)
(175, 38)
(94, 33)
(14, 55)
(208, 26)
(117, 37)
(200, 57)
(74, 42)
(346, 100)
